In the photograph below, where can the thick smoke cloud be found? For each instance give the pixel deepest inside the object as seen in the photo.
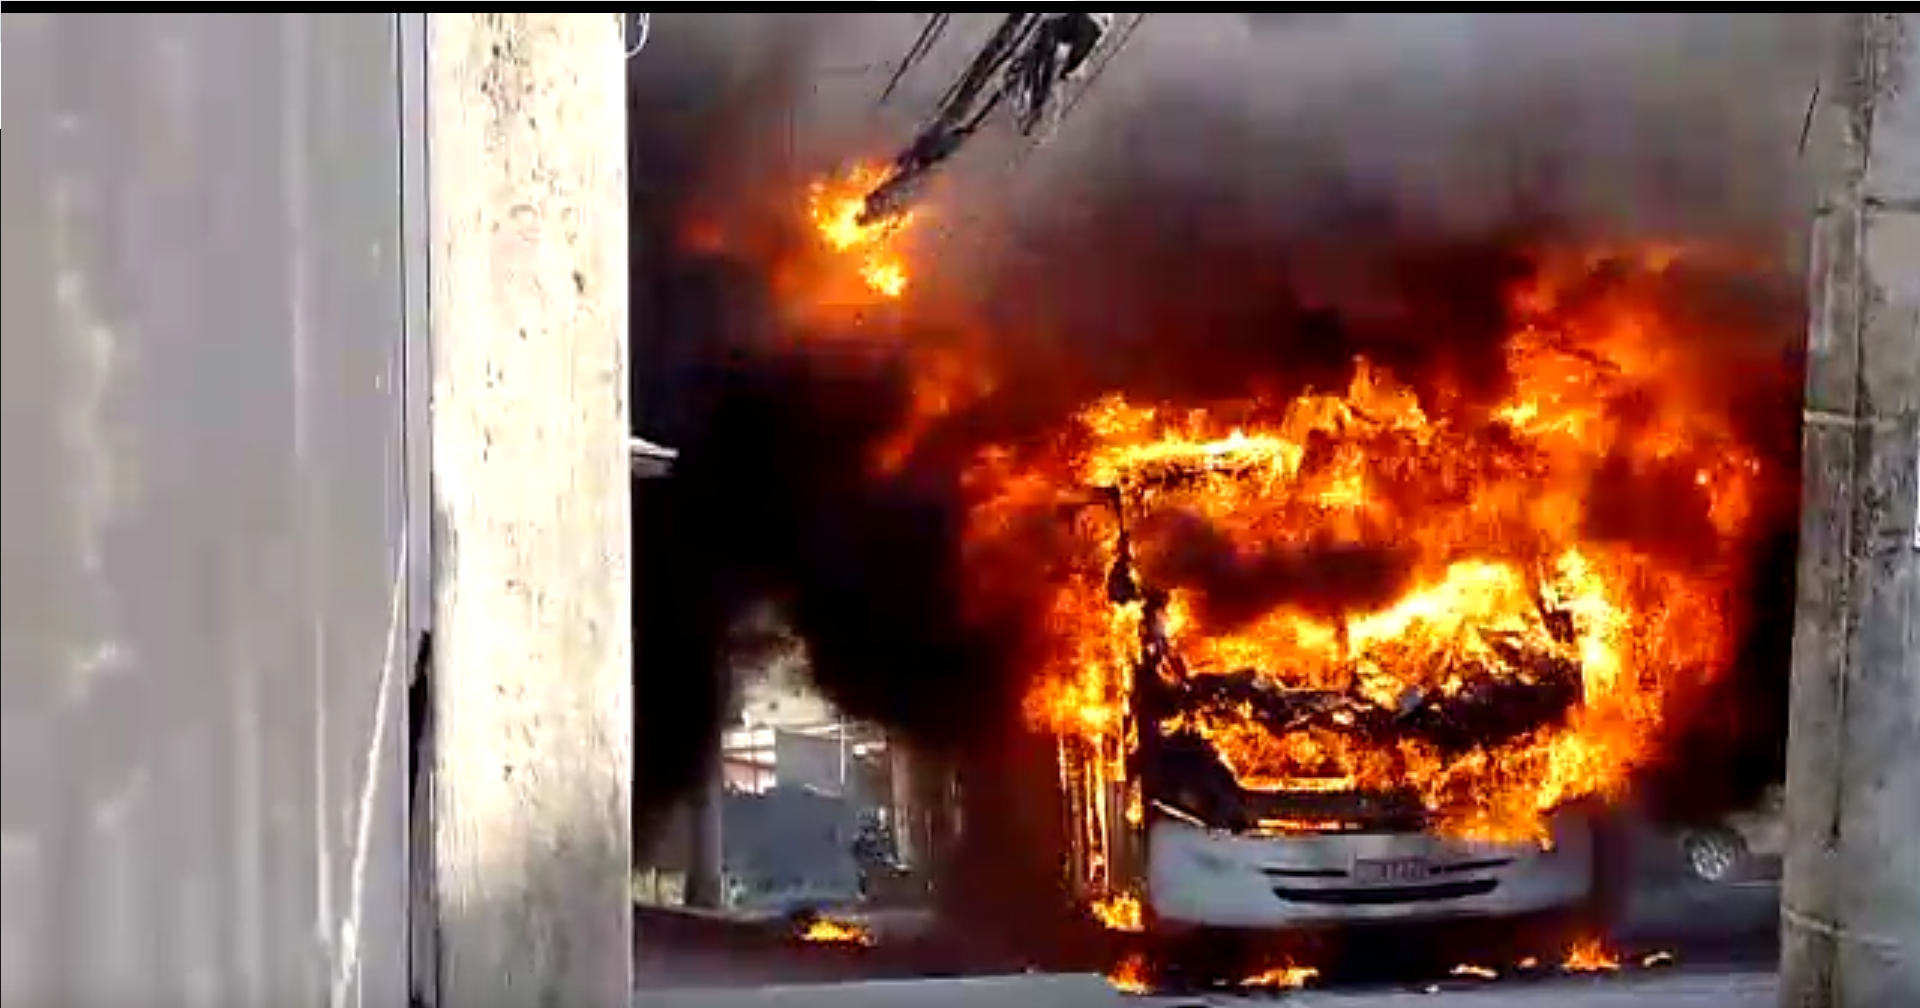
(1232, 202)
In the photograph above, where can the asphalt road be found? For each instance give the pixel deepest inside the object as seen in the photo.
(1675, 990)
(1679, 989)
(1711, 946)
(1708, 946)
(1736, 924)
(1677, 935)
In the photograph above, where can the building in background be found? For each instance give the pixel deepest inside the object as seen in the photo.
(800, 790)
(786, 734)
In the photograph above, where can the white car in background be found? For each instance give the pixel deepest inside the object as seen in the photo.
(1742, 847)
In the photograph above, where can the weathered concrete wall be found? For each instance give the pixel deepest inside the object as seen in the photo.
(1851, 904)
(205, 510)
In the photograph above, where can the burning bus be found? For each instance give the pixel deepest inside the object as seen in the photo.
(1227, 796)
(1364, 654)
(1323, 645)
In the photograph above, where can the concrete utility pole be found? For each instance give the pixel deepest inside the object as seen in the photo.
(908, 844)
(1851, 905)
(706, 843)
(531, 468)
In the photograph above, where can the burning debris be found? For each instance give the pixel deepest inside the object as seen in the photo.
(834, 932)
(1590, 956)
(1139, 972)
(1281, 978)
(1133, 975)
(1120, 912)
(1136, 973)
(1585, 956)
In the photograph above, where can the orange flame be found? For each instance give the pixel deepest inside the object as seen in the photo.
(1590, 955)
(1131, 976)
(1120, 912)
(1492, 511)
(1286, 977)
(834, 205)
(835, 932)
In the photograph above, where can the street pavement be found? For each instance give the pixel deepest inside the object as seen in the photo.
(1670, 990)
(1077, 990)
(1716, 943)
(1749, 989)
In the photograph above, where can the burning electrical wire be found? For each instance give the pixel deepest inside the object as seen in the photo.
(1028, 63)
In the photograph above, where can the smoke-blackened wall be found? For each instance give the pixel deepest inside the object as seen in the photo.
(1229, 202)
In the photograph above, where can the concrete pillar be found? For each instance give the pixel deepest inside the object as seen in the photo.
(532, 616)
(909, 846)
(937, 794)
(1851, 904)
(706, 846)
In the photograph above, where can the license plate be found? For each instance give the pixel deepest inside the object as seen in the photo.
(1391, 871)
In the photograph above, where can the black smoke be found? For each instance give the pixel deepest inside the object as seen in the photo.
(772, 497)
(1201, 235)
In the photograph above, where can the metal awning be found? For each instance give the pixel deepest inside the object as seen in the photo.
(650, 460)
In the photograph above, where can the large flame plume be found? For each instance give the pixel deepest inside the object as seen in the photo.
(1466, 545)
(1505, 453)
(1405, 548)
